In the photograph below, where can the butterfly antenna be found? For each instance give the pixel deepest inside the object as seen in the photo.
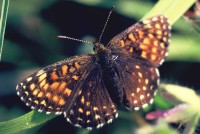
(111, 10)
(70, 38)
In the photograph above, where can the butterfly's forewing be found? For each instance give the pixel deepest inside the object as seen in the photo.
(93, 106)
(146, 41)
(50, 90)
(138, 81)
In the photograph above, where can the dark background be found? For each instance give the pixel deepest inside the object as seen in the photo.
(31, 43)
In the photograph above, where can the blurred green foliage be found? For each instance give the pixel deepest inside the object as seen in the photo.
(30, 42)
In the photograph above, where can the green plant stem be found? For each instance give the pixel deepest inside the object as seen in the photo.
(4, 13)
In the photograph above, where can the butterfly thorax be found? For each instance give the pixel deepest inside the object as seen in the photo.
(103, 55)
(106, 61)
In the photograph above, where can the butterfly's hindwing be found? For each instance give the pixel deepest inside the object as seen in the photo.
(93, 107)
(138, 81)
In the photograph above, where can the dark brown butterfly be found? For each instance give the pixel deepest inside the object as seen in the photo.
(87, 88)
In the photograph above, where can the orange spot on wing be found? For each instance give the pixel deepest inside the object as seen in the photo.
(64, 69)
(159, 32)
(122, 43)
(164, 39)
(43, 103)
(140, 74)
(32, 86)
(55, 98)
(77, 65)
(146, 41)
(143, 46)
(82, 99)
(159, 36)
(36, 102)
(50, 107)
(72, 69)
(154, 50)
(35, 92)
(46, 86)
(162, 45)
(40, 94)
(67, 91)
(87, 112)
(42, 77)
(54, 86)
(62, 86)
(87, 103)
(61, 102)
(42, 83)
(141, 34)
(153, 57)
(144, 54)
(75, 77)
(54, 76)
(150, 36)
(132, 37)
(157, 25)
(162, 52)
(48, 95)
(131, 50)
(155, 43)
(80, 110)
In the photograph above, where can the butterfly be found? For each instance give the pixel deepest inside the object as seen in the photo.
(87, 88)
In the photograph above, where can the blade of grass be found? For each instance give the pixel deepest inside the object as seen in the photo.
(172, 9)
(4, 13)
(26, 121)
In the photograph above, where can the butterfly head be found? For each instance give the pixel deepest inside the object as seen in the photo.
(98, 47)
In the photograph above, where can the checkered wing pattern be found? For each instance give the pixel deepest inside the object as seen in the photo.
(146, 41)
(140, 49)
(93, 106)
(139, 82)
(76, 88)
(50, 89)
(73, 87)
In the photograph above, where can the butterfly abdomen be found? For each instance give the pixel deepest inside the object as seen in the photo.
(110, 76)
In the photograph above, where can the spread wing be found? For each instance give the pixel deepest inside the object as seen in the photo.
(138, 51)
(146, 41)
(73, 87)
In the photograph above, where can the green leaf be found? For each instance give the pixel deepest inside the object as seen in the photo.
(4, 12)
(24, 122)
